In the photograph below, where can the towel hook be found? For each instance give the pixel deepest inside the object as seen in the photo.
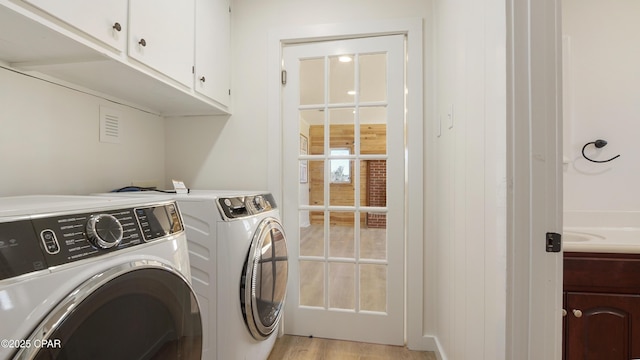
(598, 144)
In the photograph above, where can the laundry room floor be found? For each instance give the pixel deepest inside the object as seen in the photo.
(290, 347)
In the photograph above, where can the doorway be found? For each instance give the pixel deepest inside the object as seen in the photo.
(344, 143)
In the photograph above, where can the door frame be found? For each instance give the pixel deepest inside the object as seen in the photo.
(414, 163)
(534, 170)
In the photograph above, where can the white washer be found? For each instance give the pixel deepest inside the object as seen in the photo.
(233, 236)
(95, 278)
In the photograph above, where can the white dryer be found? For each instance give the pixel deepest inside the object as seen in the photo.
(239, 269)
(95, 278)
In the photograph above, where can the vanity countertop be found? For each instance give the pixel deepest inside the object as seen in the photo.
(601, 240)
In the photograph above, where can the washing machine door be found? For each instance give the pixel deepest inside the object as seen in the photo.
(138, 310)
(264, 283)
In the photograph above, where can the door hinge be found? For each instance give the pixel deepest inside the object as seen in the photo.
(229, 92)
(553, 242)
(193, 69)
(283, 77)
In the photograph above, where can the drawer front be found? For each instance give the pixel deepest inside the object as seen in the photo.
(594, 272)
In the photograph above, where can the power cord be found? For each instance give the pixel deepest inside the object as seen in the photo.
(140, 188)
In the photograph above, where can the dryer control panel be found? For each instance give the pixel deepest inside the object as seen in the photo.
(243, 206)
(37, 243)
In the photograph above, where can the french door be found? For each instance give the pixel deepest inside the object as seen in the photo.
(344, 188)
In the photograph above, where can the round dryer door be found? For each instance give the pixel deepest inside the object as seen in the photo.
(138, 310)
(264, 284)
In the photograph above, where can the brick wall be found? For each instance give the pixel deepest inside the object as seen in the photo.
(377, 192)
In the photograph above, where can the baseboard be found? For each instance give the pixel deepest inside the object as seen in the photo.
(428, 343)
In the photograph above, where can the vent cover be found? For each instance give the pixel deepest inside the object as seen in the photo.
(109, 125)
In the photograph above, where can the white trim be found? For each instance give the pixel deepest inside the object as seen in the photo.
(416, 339)
(534, 140)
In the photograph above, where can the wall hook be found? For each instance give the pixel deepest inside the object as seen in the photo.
(598, 144)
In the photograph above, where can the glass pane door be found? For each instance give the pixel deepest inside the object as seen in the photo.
(345, 120)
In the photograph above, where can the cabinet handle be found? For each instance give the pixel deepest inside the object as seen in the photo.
(117, 27)
(142, 42)
(577, 313)
(564, 312)
(202, 79)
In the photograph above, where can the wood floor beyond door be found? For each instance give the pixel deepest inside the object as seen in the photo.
(290, 347)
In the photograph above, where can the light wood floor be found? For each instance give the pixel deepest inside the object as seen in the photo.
(290, 347)
(340, 277)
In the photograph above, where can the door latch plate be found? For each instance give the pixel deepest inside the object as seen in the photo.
(554, 242)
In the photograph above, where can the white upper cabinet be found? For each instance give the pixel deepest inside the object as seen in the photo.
(140, 51)
(161, 36)
(213, 39)
(105, 20)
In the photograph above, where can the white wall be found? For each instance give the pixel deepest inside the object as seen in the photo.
(469, 169)
(234, 156)
(49, 141)
(465, 171)
(49, 145)
(601, 92)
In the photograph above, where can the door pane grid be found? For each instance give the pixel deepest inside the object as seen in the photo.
(323, 107)
(342, 263)
(350, 221)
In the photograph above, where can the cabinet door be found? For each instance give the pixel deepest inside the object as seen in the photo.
(213, 49)
(600, 326)
(161, 36)
(99, 18)
(564, 325)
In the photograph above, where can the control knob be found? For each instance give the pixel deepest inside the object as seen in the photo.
(259, 203)
(104, 231)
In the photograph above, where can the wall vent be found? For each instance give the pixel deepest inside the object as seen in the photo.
(109, 125)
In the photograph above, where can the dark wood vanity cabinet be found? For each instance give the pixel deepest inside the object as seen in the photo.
(602, 303)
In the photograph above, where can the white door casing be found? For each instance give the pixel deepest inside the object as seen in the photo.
(534, 147)
(419, 312)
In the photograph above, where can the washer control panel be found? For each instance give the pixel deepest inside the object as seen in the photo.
(20, 250)
(40, 242)
(104, 231)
